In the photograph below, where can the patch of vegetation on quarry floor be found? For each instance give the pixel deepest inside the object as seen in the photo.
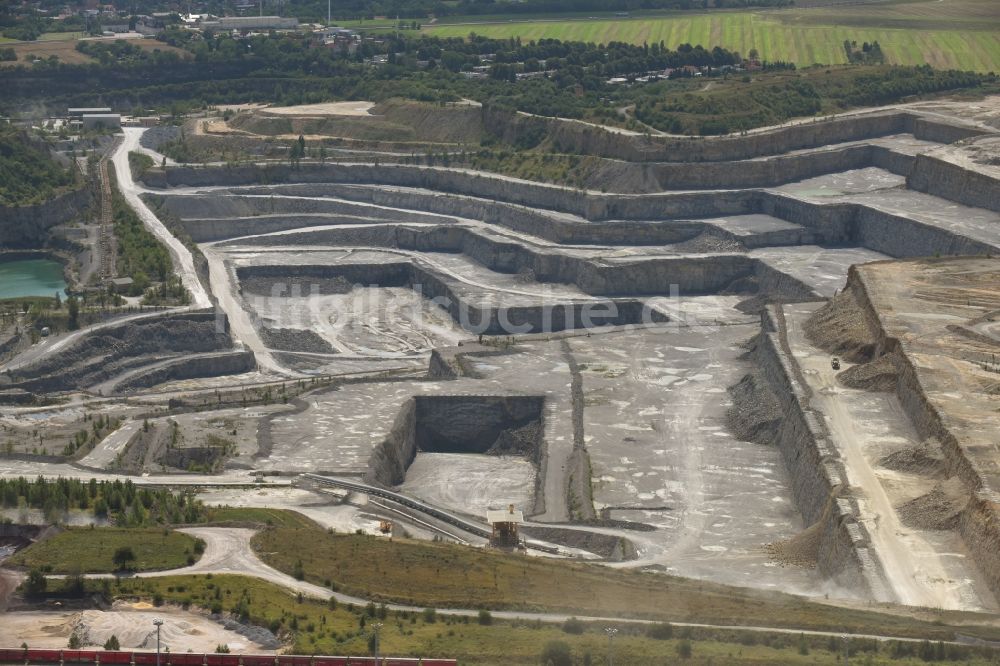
(259, 516)
(445, 575)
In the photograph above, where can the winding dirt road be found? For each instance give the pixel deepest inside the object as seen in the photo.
(181, 256)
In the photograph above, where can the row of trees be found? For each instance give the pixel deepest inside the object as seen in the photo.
(122, 503)
(288, 69)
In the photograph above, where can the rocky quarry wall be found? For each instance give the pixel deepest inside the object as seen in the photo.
(708, 274)
(768, 172)
(457, 424)
(119, 349)
(29, 226)
(941, 177)
(197, 366)
(836, 537)
(522, 206)
(979, 522)
(487, 320)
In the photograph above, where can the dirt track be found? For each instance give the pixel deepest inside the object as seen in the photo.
(913, 567)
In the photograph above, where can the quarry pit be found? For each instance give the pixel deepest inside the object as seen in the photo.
(641, 363)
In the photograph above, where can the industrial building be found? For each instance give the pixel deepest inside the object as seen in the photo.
(243, 23)
(505, 527)
(80, 111)
(91, 121)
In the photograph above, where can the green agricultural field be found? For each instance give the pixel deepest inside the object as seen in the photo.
(963, 38)
(85, 550)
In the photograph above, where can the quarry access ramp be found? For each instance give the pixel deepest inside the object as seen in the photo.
(469, 526)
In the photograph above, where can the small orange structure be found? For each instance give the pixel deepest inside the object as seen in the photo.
(505, 527)
(385, 527)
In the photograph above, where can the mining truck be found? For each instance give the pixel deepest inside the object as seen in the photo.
(835, 363)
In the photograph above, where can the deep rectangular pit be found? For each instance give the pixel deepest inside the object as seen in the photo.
(479, 424)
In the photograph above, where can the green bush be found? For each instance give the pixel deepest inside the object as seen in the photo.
(557, 653)
(36, 583)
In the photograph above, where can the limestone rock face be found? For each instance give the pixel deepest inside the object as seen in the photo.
(28, 226)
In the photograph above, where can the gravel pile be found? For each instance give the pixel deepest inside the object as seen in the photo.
(840, 327)
(755, 415)
(937, 510)
(523, 441)
(259, 635)
(879, 375)
(799, 551)
(154, 137)
(926, 459)
(706, 242)
(295, 340)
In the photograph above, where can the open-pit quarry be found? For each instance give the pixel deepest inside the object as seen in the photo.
(640, 362)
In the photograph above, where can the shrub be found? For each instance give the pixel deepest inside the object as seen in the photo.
(124, 558)
(573, 626)
(430, 615)
(36, 583)
(684, 649)
(557, 653)
(663, 631)
(485, 618)
(112, 643)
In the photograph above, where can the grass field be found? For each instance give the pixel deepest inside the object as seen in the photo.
(257, 515)
(966, 36)
(60, 36)
(84, 550)
(63, 46)
(313, 627)
(441, 575)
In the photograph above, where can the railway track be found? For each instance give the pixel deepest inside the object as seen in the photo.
(469, 526)
(108, 247)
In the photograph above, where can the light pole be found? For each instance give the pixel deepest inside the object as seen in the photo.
(377, 626)
(611, 631)
(159, 623)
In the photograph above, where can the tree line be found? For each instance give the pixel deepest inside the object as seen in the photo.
(120, 502)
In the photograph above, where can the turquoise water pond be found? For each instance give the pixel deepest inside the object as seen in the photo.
(31, 277)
